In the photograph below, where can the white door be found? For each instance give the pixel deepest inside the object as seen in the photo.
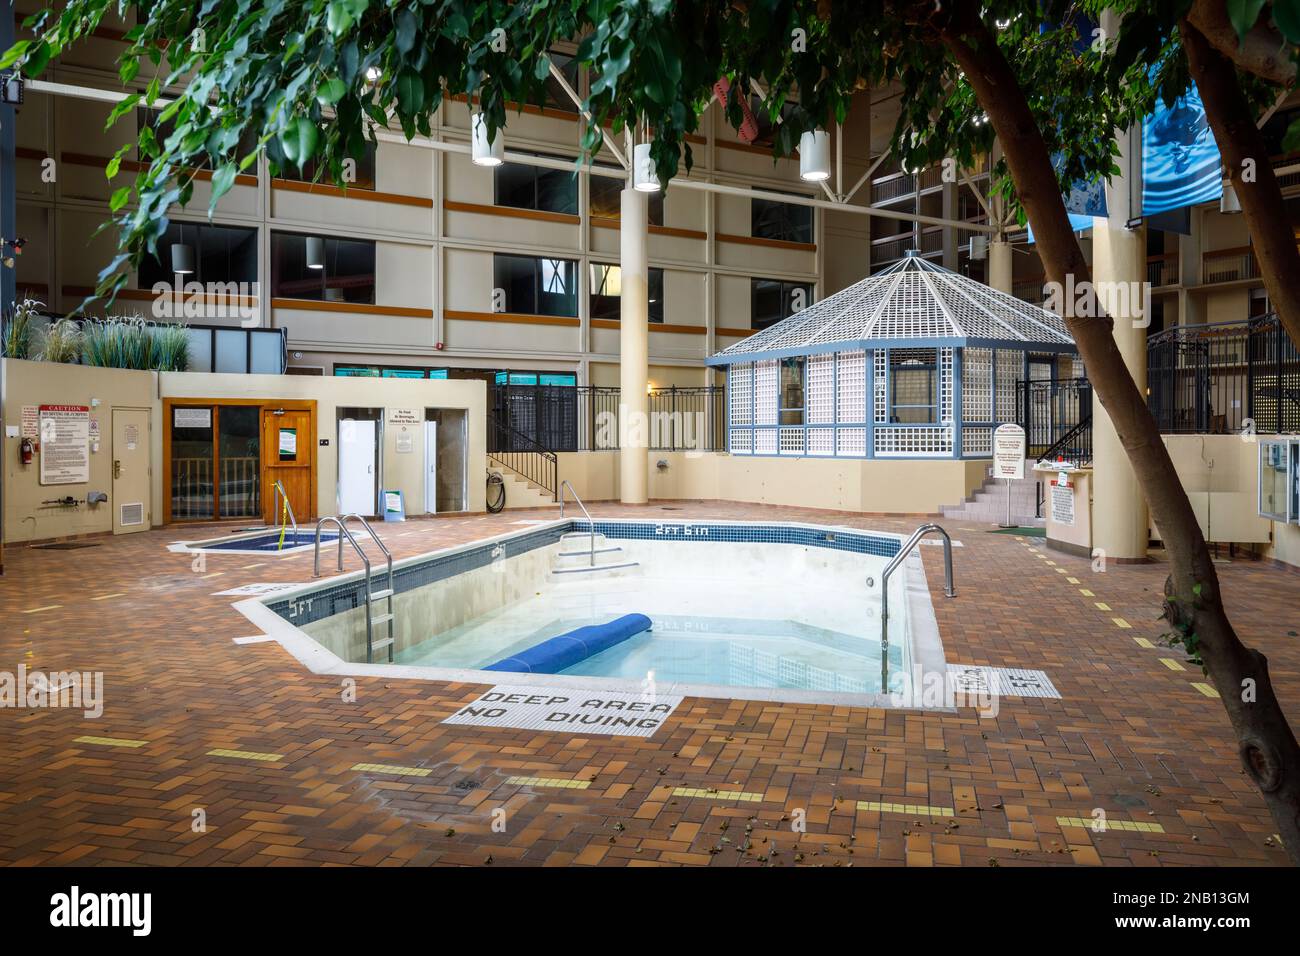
(431, 467)
(356, 467)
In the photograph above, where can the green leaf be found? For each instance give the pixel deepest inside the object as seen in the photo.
(410, 92)
(404, 38)
(1286, 17)
(298, 141)
(35, 61)
(1243, 14)
(14, 54)
(222, 180)
(331, 91)
(114, 164)
(120, 196)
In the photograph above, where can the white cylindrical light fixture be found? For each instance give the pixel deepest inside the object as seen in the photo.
(645, 178)
(815, 156)
(315, 252)
(486, 151)
(182, 259)
(979, 247)
(1229, 204)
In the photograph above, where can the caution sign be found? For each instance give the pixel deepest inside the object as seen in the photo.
(1063, 503)
(567, 710)
(65, 444)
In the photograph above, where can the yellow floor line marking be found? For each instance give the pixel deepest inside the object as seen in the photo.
(214, 574)
(1206, 689)
(245, 755)
(1073, 580)
(1143, 642)
(718, 794)
(105, 597)
(1102, 605)
(249, 567)
(1086, 593)
(38, 610)
(562, 782)
(1121, 623)
(1109, 824)
(110, 741)
(390, 768)
(1052, 563)
(911, 809)
(1172, 664)
(1060, 571)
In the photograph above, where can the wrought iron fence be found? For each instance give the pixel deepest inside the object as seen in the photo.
(1224, 378)
(586, 418)
(1056, 415)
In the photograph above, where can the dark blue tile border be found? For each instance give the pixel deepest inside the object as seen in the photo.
(334, 599)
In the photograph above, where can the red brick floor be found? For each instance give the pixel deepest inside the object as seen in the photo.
(1130, 736)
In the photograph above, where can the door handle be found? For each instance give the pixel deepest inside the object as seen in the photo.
(117, 468)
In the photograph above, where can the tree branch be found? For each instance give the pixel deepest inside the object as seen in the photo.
(1264, 52)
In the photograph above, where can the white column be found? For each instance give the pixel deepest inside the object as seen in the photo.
(634, 348)
(1119, 510)
(1000, 265)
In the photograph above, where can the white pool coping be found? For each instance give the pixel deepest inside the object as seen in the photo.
(927, 655)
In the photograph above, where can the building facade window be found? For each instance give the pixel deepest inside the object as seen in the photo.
(361, 171)
(607, 204)
(221, 254)
(785, 221)
(150, 116)
(606, 292)
(913, 387)
(532, 187)
(771, 300)
(537, 286)
(348, 274)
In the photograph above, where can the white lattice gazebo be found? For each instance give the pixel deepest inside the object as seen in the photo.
(913, 362)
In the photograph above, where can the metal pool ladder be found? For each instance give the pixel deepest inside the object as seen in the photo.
(591, 525)
(893, 564)
(371, 594)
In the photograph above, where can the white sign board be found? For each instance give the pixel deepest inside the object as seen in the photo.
(404, 416)
(1063, 503)
(65, 444)
(31, 421)
(1009, 451)
(568, 710)
(192, 417)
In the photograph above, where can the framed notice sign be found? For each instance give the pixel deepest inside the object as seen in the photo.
(65, 444)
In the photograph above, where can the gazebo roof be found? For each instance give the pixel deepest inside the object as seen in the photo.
(912, 303)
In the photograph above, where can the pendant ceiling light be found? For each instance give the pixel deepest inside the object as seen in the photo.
(815, 156)
(485, 150)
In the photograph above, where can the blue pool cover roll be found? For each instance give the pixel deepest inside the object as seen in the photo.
(554, 655)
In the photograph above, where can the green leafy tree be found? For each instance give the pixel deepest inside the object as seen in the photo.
(311, 79)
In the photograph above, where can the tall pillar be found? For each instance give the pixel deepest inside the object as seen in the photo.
(1119, 510)
(1000, 265)
(634, 348)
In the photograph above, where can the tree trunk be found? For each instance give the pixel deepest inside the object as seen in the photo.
(1262, 51)
(1266, 745)
(1242, 147)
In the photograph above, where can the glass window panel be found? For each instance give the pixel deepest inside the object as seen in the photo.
(239, 461)
(558, 287)
(788, 222)
(606, 202)
(221, 254)
(557, 191)
(348, 276)
(356, 371)
(403, 373)
(232, 351)
(191, 463)
(200, 350)
(267, 353)
(517, 277)
(792, 393)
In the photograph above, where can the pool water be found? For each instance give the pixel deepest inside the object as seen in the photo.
(269, 541)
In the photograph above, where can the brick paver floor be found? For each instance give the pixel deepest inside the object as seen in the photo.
(209, 752)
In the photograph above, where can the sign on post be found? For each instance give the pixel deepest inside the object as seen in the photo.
(1009, 459)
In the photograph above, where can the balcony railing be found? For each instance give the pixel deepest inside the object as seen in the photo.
(1224, 378)
(1229, 265)
(1162, 270)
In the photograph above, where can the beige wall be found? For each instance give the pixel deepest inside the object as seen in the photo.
(878, 487)
(46, 383)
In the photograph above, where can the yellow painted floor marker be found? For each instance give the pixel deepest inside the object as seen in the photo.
(1060, 571)
(1086, 593)
(1073, 580)
(741, 795)
(390, 768)
(563, 783)
(1143, 642)
(38, 610)
(1172, 664)
(1206, 689)
(1102, 605)
(911, 809)
(249, 567)
(1052, 563)
(214, 574)
(1130, 825)
(245, 755)
(1121, 623)
(110, 741)
(105, 597)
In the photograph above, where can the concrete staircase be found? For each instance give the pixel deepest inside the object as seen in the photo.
(522, 493)
(989, 504)
(574, 561)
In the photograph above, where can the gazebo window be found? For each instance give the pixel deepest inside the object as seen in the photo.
(914, 386)
(792, 391)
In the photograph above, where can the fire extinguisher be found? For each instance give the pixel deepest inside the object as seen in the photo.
(26, 450)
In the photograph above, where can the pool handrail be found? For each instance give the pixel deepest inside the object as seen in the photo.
(591, 525)
(278, 492)
(388, 555)
(893, 564)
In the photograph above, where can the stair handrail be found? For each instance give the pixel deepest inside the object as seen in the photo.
(591, 525)
(1083, 426)
(531, 447)
(890, 568)
(278, 492)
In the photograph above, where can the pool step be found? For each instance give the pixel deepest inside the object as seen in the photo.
(584, 555)
(596, 570)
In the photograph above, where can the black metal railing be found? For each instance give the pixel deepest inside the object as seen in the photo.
(524, 456)
(587, 417)
(1224, 378)
(1049, 410)
(1075, 445)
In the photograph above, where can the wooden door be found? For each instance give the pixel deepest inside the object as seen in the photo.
(287, 445)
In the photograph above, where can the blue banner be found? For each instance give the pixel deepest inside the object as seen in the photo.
(1181, 165)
